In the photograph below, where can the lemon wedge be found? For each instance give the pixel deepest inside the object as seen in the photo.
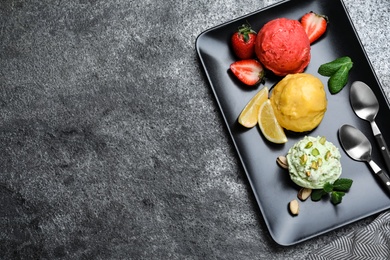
(269, 125)
(249, 114)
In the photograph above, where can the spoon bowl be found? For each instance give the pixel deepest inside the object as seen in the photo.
(366, 106)
(363, 101)
(358, 147)
(355, 144)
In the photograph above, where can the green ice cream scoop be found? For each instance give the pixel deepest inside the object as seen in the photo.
(314, 161)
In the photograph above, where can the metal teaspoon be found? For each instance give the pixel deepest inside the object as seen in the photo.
(366, 106)
(358, 147)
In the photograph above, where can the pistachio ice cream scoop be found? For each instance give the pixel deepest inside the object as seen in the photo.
(314, 161)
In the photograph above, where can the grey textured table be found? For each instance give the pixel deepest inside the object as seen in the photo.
(111, 142)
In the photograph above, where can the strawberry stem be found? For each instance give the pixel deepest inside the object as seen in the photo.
(245, 30)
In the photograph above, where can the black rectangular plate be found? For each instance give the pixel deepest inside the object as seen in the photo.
(270, 184)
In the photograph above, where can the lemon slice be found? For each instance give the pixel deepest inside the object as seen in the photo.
(269, 125)
(249, 114)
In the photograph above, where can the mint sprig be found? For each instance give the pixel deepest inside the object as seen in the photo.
(337, 190)
(338, 71)
(330, 68)
(336, 197)
(342, 184)
(317, 195)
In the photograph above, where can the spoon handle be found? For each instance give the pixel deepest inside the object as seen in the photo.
(385, 179)
(384, 150)
(381, 174)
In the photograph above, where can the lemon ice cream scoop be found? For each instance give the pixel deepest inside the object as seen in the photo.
(314, 161)
(299, 102)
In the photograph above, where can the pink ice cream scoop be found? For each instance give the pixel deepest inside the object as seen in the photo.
(283, 46)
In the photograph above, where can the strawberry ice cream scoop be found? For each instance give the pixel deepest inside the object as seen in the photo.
(283, 46)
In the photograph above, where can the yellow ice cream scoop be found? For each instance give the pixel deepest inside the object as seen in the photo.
(299, 102)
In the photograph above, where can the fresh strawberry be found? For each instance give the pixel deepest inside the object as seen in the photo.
(314, 25)
(248, 71)
(243, 42)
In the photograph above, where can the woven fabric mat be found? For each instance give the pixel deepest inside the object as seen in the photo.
(370, 242)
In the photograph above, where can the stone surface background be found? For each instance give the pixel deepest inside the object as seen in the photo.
(111, 142)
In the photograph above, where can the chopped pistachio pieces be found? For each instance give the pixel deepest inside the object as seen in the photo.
(309, 144)
(314, 165)
(327, 155)
(303, 159)
(319, 162)
(315, 152)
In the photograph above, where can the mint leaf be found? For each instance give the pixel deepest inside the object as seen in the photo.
(328, 187)
(330, 68)
(338, 71)
(337, 190)
(316, 195)
(336, 197)
(342, 184)
(338, 80)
